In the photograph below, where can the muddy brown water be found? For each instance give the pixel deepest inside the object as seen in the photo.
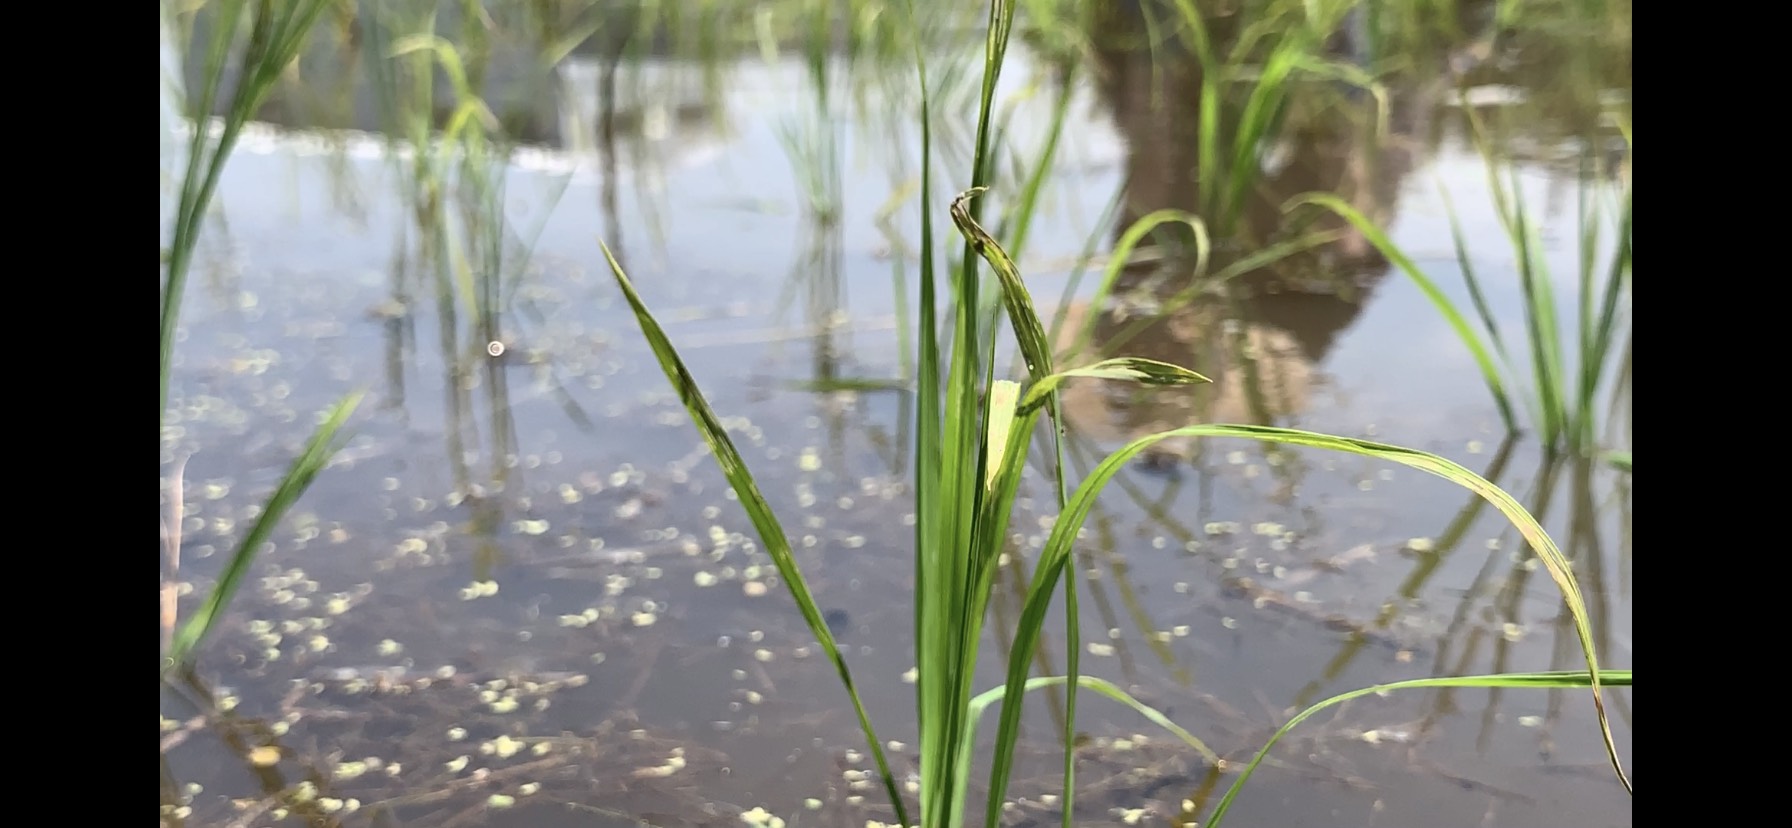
(523, 596)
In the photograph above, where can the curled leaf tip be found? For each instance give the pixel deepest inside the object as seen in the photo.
(965, 197)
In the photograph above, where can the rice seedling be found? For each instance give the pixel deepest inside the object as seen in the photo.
(973, 435)
(975, 430)
(454, 172)
(254, 42)
(275, 33)
(813, 144)
(460, 165)
(1581, 89)
(1226, 92)
(1563, 394)
(1250, 68)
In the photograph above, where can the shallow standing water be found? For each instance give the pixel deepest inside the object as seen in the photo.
(522, 595)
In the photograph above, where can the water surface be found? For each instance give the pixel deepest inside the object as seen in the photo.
(523, 595)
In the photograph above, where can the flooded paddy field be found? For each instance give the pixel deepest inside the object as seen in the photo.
(522, 594)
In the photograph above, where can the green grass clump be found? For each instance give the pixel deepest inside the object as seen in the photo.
(974, 431)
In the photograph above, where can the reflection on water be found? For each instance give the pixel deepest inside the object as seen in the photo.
(1258, 325)
(523, 595)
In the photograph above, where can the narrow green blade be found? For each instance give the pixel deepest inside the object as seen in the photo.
(1065, 530)
(298, 478)
(1551, 680)
(771, 532)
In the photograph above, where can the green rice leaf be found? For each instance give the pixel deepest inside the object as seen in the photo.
(1490, 372)
(1065, 530)
(298, 478)
(1136, 369)
(771, 532)
(1550, 681)
(1021, 314)
(1105, 688)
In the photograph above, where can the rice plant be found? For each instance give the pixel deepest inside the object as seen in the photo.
(1210, 96)
(1573, 62)
(274, 34)
(973, 435)
(1563, 395)
(253, 43)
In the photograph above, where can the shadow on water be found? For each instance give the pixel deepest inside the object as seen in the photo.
(523, 596)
